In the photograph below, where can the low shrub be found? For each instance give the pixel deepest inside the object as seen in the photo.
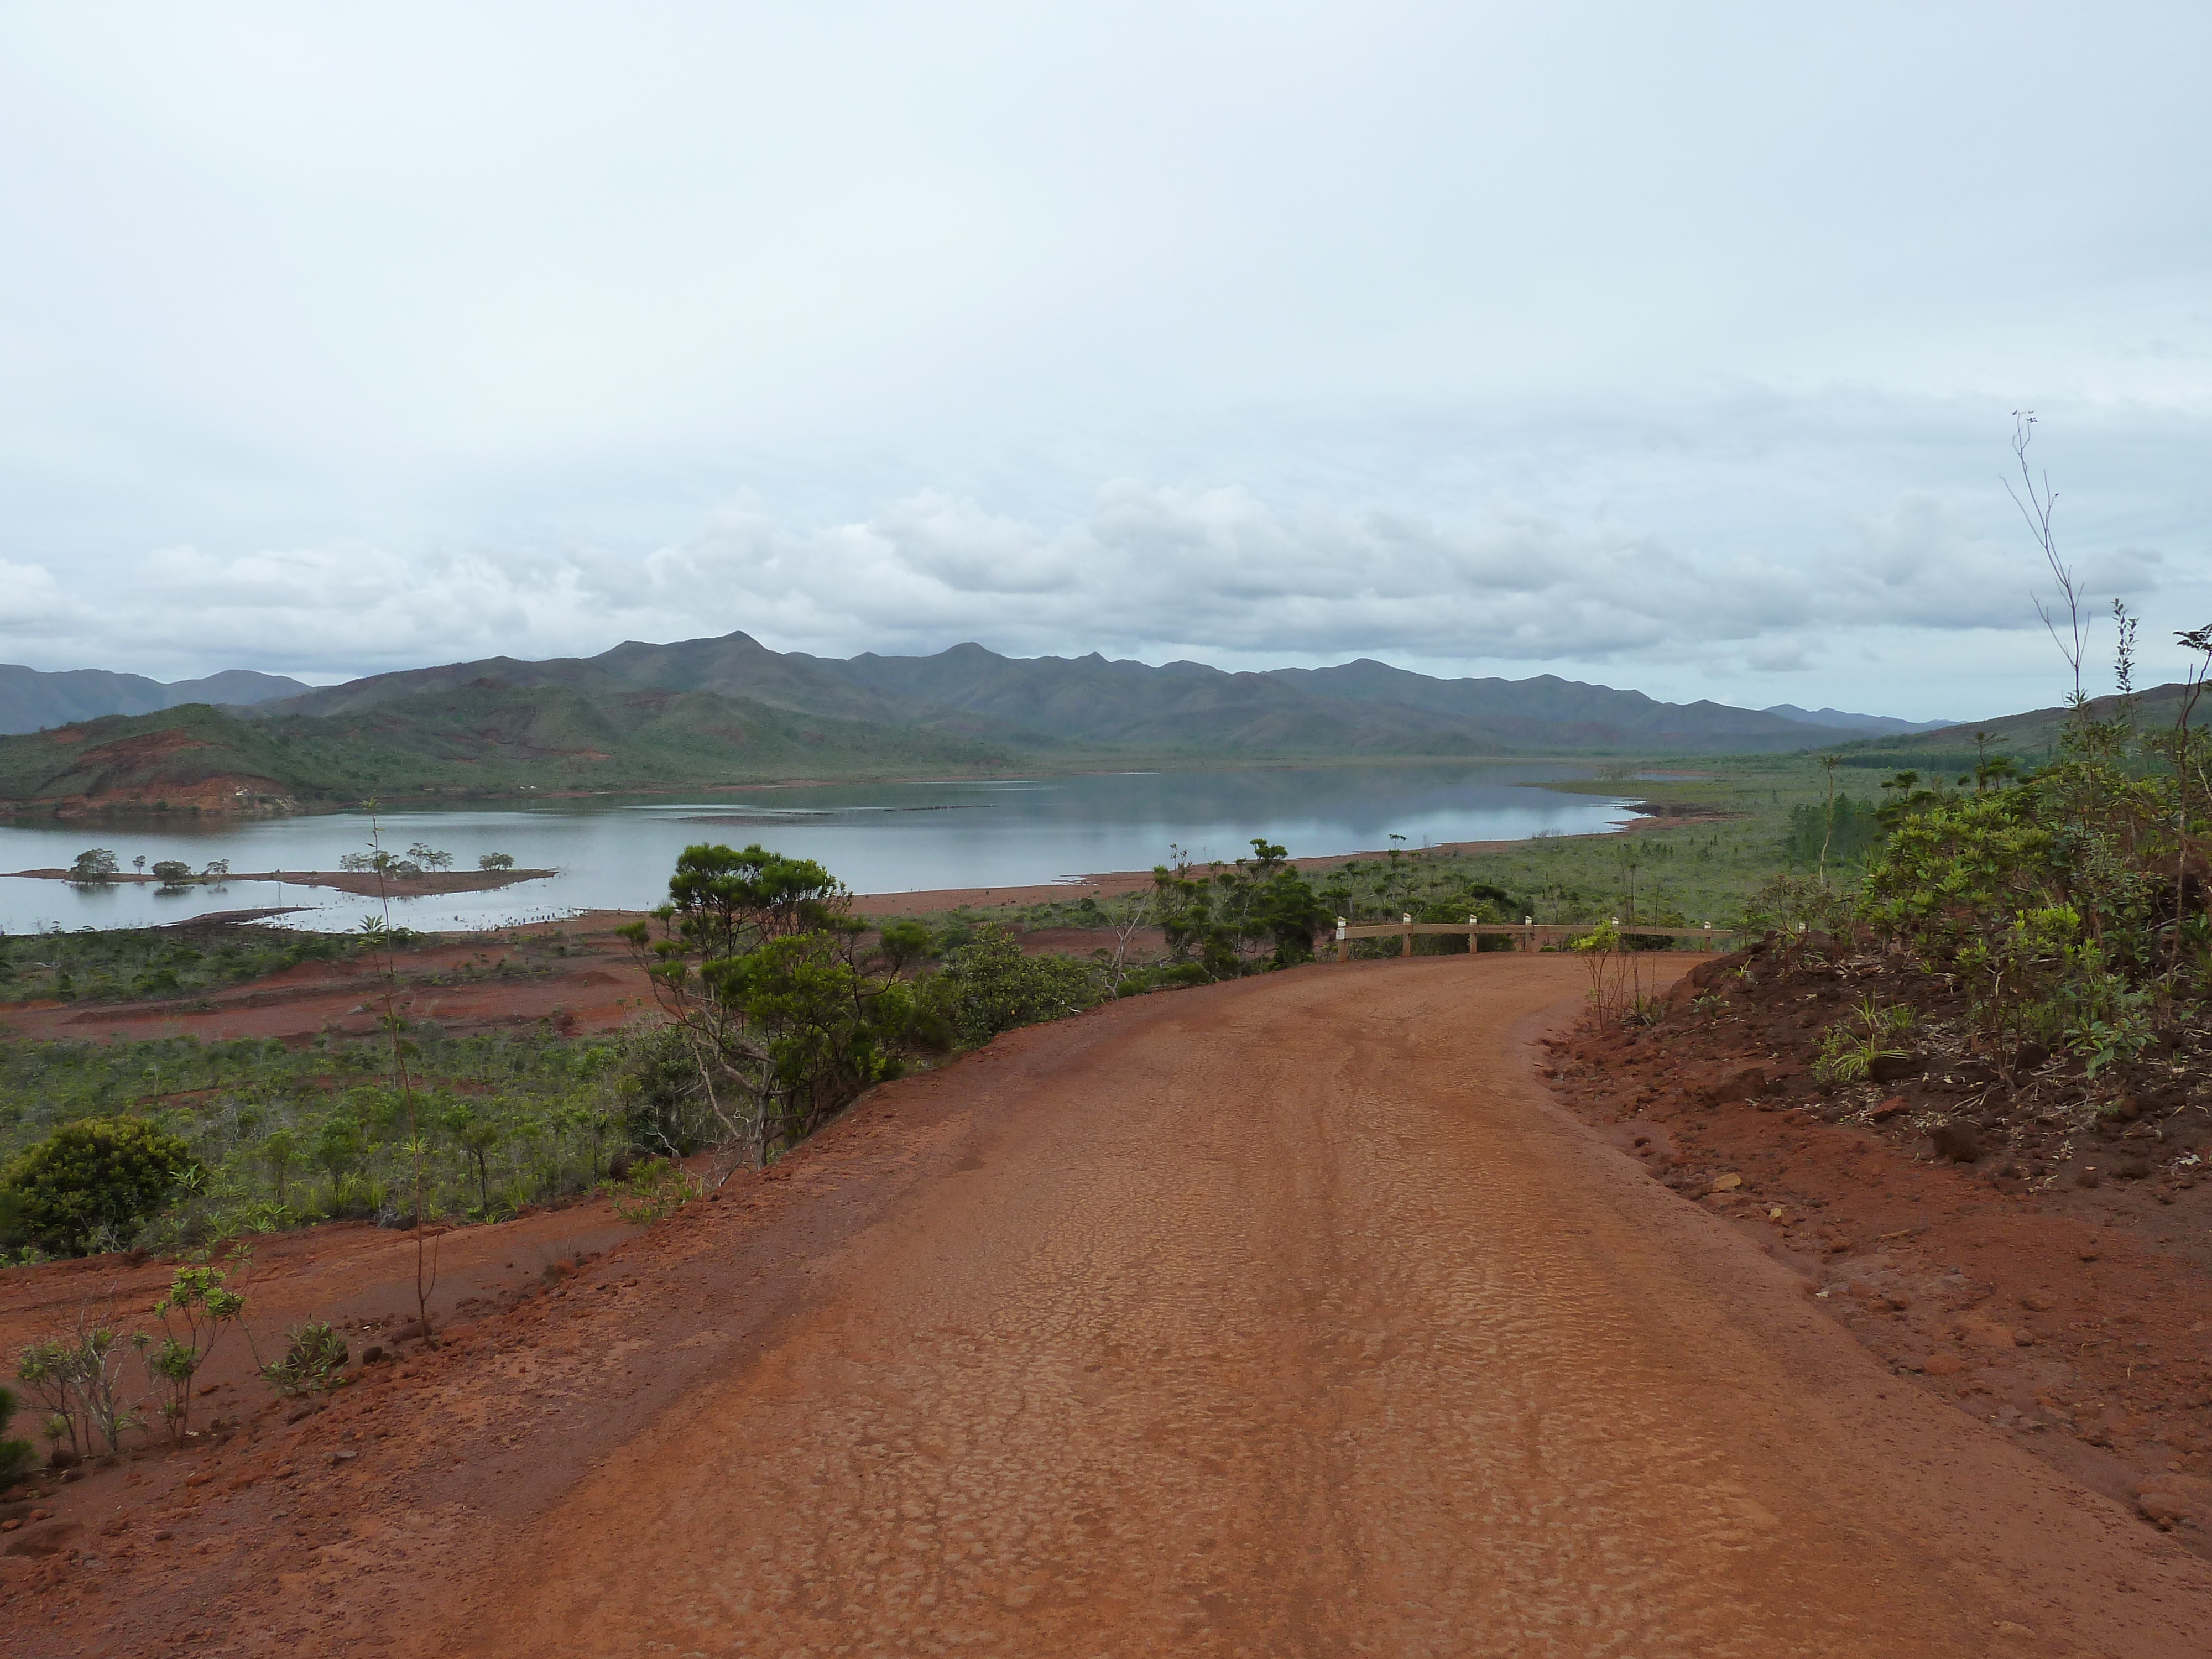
(313, 1361)
(995, 987)
(1850, 1048)
(92, 1182)
(17, 1457)
(194, 1314)
(654, 1190)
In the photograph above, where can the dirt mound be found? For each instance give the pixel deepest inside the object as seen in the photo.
(2029, 1243)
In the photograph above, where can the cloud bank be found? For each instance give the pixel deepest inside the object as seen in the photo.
(1149, 571)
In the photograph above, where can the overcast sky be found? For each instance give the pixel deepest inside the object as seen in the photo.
(1669, 347)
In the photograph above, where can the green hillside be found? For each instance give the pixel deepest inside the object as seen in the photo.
(481, 738)
(729, 710)
(2030, 739)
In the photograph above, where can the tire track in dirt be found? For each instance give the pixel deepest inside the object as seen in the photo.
(1290, 1317)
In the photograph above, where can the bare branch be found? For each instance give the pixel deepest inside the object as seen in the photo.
(2036, 511)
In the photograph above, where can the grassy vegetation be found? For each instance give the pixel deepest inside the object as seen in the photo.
(284, 1135)
(110, 965)
(1729, 827)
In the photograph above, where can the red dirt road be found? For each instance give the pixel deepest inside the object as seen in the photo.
(1292, 1319)
(1286, 1318)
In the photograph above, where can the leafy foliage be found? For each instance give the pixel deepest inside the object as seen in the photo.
(2069, 900)
(16, 1457)
(1256, 913)
(94, 1180)
(77, 1378)
(93, 865)
(2071, 905)
(1850, 1048)
(1848, 833)
(1597, 949)
(787, 1008)
(994, 987)
(654, 1189)
(282, 1136)
(313, 1361)
(198, 1308)
(96, 964)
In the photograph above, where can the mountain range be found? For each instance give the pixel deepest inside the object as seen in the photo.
(1867, 725)
(729, 710)
(31, 700)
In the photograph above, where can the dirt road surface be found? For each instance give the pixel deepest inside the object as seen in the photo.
(1292, 1319)
(1288, 1317)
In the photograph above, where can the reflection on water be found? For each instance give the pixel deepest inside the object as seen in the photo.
(617, 855)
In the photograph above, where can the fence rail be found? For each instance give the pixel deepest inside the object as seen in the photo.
(1533, 936)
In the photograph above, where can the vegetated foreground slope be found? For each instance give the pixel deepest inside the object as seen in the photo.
(1283, 1316)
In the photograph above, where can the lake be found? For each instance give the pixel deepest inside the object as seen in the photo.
(876, 838)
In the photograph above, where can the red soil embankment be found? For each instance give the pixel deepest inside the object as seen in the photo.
(2074, 1320)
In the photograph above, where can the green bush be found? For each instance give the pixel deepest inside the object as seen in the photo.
(663, 1104)
(95, 864)
(1850, 1048)
(653, 1190)
(1238, 918)
(111, 963)
(93, 1180)
(313, 1361)
(253, 1114)
(1846, 833)
(16, 1457)
(995, 988)
(2056, 902)
(787, 1010)
(199, 1307)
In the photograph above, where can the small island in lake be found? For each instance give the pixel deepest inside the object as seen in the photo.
(367, 884)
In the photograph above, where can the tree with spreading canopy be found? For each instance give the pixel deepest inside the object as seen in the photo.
(787, 1009)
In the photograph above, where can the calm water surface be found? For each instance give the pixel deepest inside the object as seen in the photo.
(876, 838)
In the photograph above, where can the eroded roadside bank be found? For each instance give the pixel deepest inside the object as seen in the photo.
(2029, 1248)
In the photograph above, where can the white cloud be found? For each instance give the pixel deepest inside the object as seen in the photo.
(1151, 571)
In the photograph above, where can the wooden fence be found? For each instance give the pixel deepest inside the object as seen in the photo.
(1529, 936)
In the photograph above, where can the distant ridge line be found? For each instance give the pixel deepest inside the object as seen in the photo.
(728, 710)
(33, 699)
